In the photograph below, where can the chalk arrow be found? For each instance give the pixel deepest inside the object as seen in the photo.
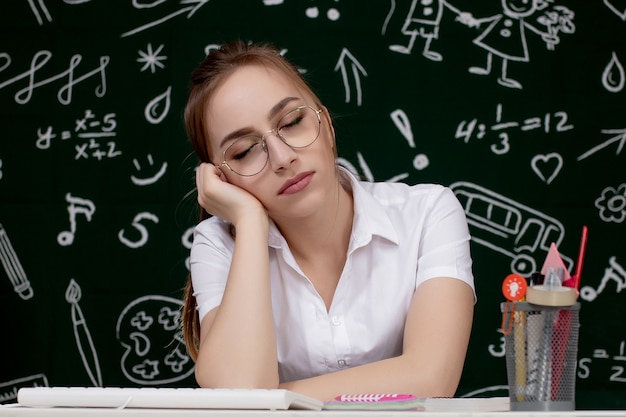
(191, 9)
(620, 11)
(348, 61)
(620, 138)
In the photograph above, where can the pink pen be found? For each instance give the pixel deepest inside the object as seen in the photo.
(574, 281)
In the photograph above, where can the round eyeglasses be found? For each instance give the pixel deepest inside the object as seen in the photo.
(248, 155)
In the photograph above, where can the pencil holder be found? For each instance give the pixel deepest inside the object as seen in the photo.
(541, 345)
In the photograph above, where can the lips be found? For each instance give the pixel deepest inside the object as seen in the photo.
(297, 183)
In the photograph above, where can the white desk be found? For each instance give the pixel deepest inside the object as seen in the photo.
(16, 411)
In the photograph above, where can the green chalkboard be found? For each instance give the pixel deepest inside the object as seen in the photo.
(521, 110)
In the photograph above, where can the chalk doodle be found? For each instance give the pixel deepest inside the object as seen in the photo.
(143, 231)
(424, 20)
(509, 227)
(13, 267)
(505, 34)
(148, 180)
(615, 273)
(88, 133)
(347, 64)
(617, 372)
(619, 138)
(65, 93)
(158, 107)
(154, 352)
(76, 206)
(547, 167)
(187, 241)
(151, 59)
(190, 10)
(548, 122)
(612, 204)
(40, 11)
(613, 77)
(402, 122)
(617, 8)
(9, 389)
(82, 335)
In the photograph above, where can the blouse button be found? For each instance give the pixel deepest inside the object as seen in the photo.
(336, 320)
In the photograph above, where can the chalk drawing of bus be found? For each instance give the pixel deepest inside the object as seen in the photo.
(510, 228)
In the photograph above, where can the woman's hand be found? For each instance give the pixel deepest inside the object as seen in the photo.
(222, 199)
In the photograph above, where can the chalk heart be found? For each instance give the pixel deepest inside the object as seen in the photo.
(548, 166)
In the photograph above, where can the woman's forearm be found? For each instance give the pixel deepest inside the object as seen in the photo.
(238, 343)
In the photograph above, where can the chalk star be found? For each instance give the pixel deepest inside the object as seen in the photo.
(151, 59)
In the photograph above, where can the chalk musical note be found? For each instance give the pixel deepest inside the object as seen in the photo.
(13, 267)
(76, 206)
(82, 335)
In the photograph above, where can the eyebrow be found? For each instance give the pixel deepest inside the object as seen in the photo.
(274, 111)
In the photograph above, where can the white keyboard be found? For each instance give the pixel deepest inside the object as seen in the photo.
(170, 398)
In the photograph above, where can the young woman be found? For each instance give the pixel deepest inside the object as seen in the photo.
(302, 276)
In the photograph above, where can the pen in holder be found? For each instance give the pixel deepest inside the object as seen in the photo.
(541, 356)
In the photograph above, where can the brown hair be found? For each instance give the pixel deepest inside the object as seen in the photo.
(205, 79)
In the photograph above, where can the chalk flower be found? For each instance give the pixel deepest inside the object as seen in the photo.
(612, 204)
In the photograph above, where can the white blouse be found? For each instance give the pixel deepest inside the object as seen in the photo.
(401, 236)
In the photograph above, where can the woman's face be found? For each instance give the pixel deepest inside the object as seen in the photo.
(251, 101)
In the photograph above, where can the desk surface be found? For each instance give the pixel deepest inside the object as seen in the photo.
(18, 411)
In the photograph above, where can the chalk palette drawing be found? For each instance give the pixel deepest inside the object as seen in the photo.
(143, 181)
(348, 65)
(613, 77)
(8, 389)
(13, 267)
(65, 93)
(548, 166)
(617, 8)
(557, 122)
(151, 59)
(158, 107)
(82, 335)
(614, 272)
(619, 138)
(423, 20)
(509, 227)
(154, 351)
(40, 11)
(76, 206)
(612, 204)
(505, 34)
(189, 10)
(139, 227)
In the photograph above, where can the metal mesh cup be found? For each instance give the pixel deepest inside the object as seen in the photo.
(541, 345)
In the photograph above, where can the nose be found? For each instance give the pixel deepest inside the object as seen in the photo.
(279, 153)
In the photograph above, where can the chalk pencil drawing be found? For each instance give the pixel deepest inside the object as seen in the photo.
(154, 351)
(151, 59)
(504, 34)
(614, 272)
(139, 227)
(189, 10)
(509, 227)
(347, 64)
(143, 181)
(13, 267)
(76, 206)
(82, 335)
